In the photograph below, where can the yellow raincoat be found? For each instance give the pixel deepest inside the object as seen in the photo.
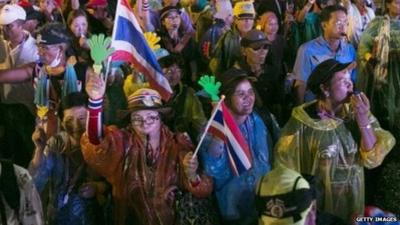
(330, 150)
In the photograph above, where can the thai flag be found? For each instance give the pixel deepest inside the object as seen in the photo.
(225, 127)
(131, 46)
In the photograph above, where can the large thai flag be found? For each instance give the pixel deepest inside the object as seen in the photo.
(225, 127)
(131, 46)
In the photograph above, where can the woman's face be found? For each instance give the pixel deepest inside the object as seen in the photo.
(79, 26)
(146, 122)
(74, 121)
(340, 87)
(172, 21)
(271, 26)
(49, 53)
(394, 8)
(242, 100)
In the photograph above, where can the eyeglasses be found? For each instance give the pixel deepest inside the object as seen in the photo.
(244, 94)
(261, 47)
(171, 70)
(139, 121)
(341, 23)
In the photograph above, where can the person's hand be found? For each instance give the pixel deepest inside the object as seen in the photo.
(361, 107)
(95, 86)
(39, 138)
(83, 42)
(99, 50)
(169, 194)
(87, 190)
(210, 86)
(190, 166)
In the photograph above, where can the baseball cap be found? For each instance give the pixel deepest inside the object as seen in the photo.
(244, 9)
(10, 13)
(254, 39)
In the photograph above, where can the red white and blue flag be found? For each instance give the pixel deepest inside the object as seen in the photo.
(131, 46)
(225, 127)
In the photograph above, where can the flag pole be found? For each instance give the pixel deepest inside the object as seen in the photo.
(208, 126)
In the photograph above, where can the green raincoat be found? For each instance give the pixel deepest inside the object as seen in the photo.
(330, 150)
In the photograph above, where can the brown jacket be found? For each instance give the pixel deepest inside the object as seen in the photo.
(140, 191)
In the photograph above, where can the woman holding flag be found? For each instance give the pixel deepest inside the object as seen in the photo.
(145, 163)
(238, 148)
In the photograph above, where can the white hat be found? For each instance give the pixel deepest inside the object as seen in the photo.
(10, 13)
(223, 9)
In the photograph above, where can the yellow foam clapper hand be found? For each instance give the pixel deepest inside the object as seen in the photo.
(152, 40)
(100, 49)
(42, 111)
(210, 86)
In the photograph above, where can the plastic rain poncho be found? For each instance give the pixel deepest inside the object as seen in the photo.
(330, 150)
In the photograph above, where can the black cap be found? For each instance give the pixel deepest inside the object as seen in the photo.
(323, 73)
(53, 33)
(33, 14)
(254, 39)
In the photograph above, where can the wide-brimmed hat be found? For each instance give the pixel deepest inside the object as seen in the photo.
(284, 197)
(255, 39)
(244, 9)
(10, 13)
(144, 99)
(324, 72)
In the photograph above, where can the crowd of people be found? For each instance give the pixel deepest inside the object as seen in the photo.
(312, 87)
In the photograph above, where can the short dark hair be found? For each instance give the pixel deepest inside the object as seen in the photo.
(327, 11)
(71, 100)
(168, 61)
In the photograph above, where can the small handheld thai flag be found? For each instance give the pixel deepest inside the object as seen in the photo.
(225, 127)
(131, 46)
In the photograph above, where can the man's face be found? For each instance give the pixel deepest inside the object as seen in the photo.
(74, 121)
(336, 27)
(244, 25)
(173, 74)
(31, 25)
(48, 53)
(242, 100)
(13, 30)
(256, 56)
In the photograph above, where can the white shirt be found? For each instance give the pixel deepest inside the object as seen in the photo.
(30, 206)
(23, 93)
(358, 23)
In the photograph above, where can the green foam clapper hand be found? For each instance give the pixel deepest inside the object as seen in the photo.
(99, 50)
(210, 86)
